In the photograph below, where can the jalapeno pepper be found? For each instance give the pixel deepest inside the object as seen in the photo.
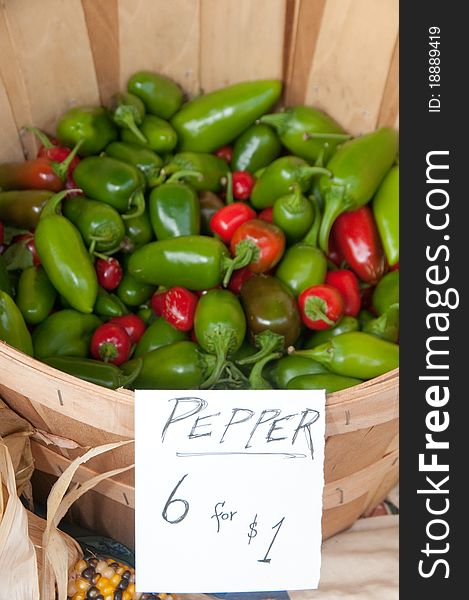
(133, 292)
(386, 326)
(160, 94)
(22, 208)
(89, 124)
(13, 329)
(330, 382)
(215, 119)
(174, 210)
(109, 305)
(64, 333)
(177, 366)
(159, 333)
(139, 230)
(345, 325)
(256, 148)
(355, 354)
(357, 168)
(95, 371)
(128, 111)
(145, 159)
(204, 171)
(113, 182)
(159, 134)
(289, 367)
(294, 214)
(269, 305)
(64, 257)
(220, 327)
(364, 317)
(195, 262)
(280, 176)
(6, 285)
(301, 267)
(386, 211)
(210, 204)
(36, 295)
(307, 132)
(265, 240)
(386, 293)
(100, 224)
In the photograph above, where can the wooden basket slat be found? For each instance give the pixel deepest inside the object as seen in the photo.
(161, 36)
(10, 149)
(351, 63)
(389, 109)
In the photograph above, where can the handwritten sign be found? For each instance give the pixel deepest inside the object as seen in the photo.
(228, 490)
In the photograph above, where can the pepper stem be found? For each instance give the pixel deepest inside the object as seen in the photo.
(316, 135)
(124, 116)
(53, 204)
(334, 205)
(315, 309)
(257, 382)
(184, 173)
(323, 354)
(246, 252)
(61, 168)
(41, 136)
(220, 350)
(137, 200)
(107, 351)
(311, 237)
(267, 342)
(279, 121)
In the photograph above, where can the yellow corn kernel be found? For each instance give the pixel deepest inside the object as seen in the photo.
(80, 566)
(120, 570)
(109, 572)
(131, 588)
(83, 584)
(78, 597)
(109, 590)
(127, 595)
(115, 580)
(102, 584)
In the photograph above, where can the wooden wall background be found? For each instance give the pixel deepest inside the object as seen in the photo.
(339, 55)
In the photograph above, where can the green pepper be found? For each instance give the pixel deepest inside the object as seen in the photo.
(301, 267)
(6, 285)
(146, 314)
(294, 214)
(269, 305)
(21, 209)
(289, 367)
(128, 111)
(355, 354)
(174, 210)
(64, 333)
(178, 366)
(386, 293)
(95, 371)
(330, 382)
(139, 230)
(159, 333)
(196, 262)
(159, 134)
(385, 326)
(357, 168)
(386, 212)
(345, 325)
(13, 329)
(209, 203)
(279, 177)
(220, 327)
(133, 292)
(160, 94)
(109, 305)
(64, 257)
(216, 119)
(364, 317)
(145, 159)
(307, 132)
(211, 170)
(36, 295)
(256, 148)
(113, 182)
(100, 224)
(91, 124)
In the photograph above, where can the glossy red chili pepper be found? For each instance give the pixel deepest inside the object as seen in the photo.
(267, 214)
(238, 279)
(179, 307)
(225, 152)
(109, 272)
(267, 237)
(346, 283)
(227, 220)
(133, 324)
(110, 343)
(27, 240)
(395, 267)
(321, 306)
(243, 182)
(334, 255)
(2, 233)
(357, 239)
(157, 303)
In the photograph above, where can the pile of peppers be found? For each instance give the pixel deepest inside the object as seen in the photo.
(209, 243)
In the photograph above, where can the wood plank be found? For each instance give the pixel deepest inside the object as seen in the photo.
(10, 148)
(353, 56)
(241, 41)
(160, 36)
(389, 109)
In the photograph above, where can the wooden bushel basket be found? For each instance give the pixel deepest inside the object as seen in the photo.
(338, 55)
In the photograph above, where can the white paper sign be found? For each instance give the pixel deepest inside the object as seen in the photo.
(228, 490)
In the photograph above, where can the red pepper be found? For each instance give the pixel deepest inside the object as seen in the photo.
(133, 324)
(334, 255)
(157, 303)
(267, 214)
(321, 306)
(109, 272)
(111, 343)
(227, 220)
(243, 182)
(267, 239)
(357, 239)
(52, 149)
(2, 233)
(27, 240)
(347, 283)
(225, 152)
(238, 279)
(179, 307)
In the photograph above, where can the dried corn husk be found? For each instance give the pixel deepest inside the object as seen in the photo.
(16, 433)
